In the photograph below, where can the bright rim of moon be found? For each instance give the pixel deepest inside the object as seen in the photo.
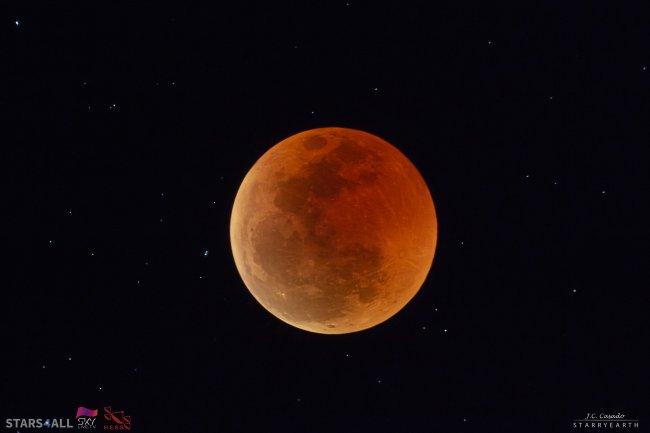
(333, 230)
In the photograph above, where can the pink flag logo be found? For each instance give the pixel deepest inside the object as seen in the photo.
(82, 411)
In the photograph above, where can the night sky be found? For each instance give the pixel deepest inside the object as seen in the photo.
(128, 127)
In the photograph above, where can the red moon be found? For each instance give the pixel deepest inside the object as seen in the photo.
(333, 230)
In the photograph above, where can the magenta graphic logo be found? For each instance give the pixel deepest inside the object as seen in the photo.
(86, 418)
(83, 411)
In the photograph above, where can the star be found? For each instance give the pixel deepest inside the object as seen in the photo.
(603, 192)
(43, 366)
(17, 23)
(444, 330)
(574, 290)
(69, 358)
(46, 423)
(489, 42)
(100, 388)
(205, 253)
(379, 381)
(347, 355)
(424, 328)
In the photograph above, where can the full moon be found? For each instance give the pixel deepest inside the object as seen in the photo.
(333, 230)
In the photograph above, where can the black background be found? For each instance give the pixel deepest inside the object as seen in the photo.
(529, 123)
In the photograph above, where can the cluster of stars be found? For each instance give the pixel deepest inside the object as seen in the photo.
(527, 176)
(69, 358)
(91, 252)
(113, 106)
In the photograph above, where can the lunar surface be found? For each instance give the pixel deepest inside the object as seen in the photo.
(333, 230)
